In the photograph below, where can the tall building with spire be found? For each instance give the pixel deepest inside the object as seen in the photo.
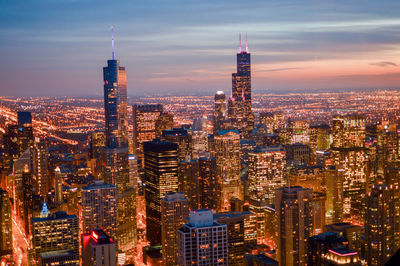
(239, 104)
(115, 103)
(115, 155)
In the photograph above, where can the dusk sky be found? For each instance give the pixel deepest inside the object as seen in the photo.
(58, 47)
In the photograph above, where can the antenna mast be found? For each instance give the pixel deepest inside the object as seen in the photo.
(112, 42)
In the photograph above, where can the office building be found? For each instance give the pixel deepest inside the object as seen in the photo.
(237, 224)
(174, 210)
(298, 154)
(239, 104)
(188, 178)
(183, 139)
(334, 195)
(220, 111)
(293, 206)
(98, 249)
(199, 144)
(202, 241)
(299, 131)
(209, 187)
(161, 177)
(349, 155)
(55, 233)
(144, 125)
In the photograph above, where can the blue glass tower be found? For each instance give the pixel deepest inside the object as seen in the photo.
(115, 104)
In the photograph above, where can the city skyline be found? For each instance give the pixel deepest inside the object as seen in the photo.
(225, 176)
(169, 47)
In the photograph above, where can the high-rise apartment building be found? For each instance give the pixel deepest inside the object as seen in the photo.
(174, 210)
(99, 208)
(59, 232)
(98, 249)
(294, 221)
(350, 157)
(161, 177)
(381, 224)
(227, 153)
(41, 168)
(202, 241)
(266, 172)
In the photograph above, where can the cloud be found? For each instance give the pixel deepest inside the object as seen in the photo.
(384, 64)
(282, 69)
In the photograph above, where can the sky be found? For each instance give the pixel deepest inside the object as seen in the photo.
(58, 47)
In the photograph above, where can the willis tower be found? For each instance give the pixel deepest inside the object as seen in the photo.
(239, 104)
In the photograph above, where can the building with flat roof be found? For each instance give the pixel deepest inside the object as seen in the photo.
(57, 232)
(98, 249)
(202, 241)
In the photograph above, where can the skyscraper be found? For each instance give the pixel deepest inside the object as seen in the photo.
(5, 224)
(24, 119)
(334, 195)
(381, 224)
(202, 241)
(115, 156)
(220, 112)
(349, 155)
(188, 178)
(99, 208)
(236, 223)
(144, 125)
(183, 139)
(174, 210)
(41, 167)
(57, 233)
(115, 104)
(58, 184)
(266, 172)
(227, 153)
(16, 141)
(294, 223)
(209, 187)
(161, 176)
(239, 104)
